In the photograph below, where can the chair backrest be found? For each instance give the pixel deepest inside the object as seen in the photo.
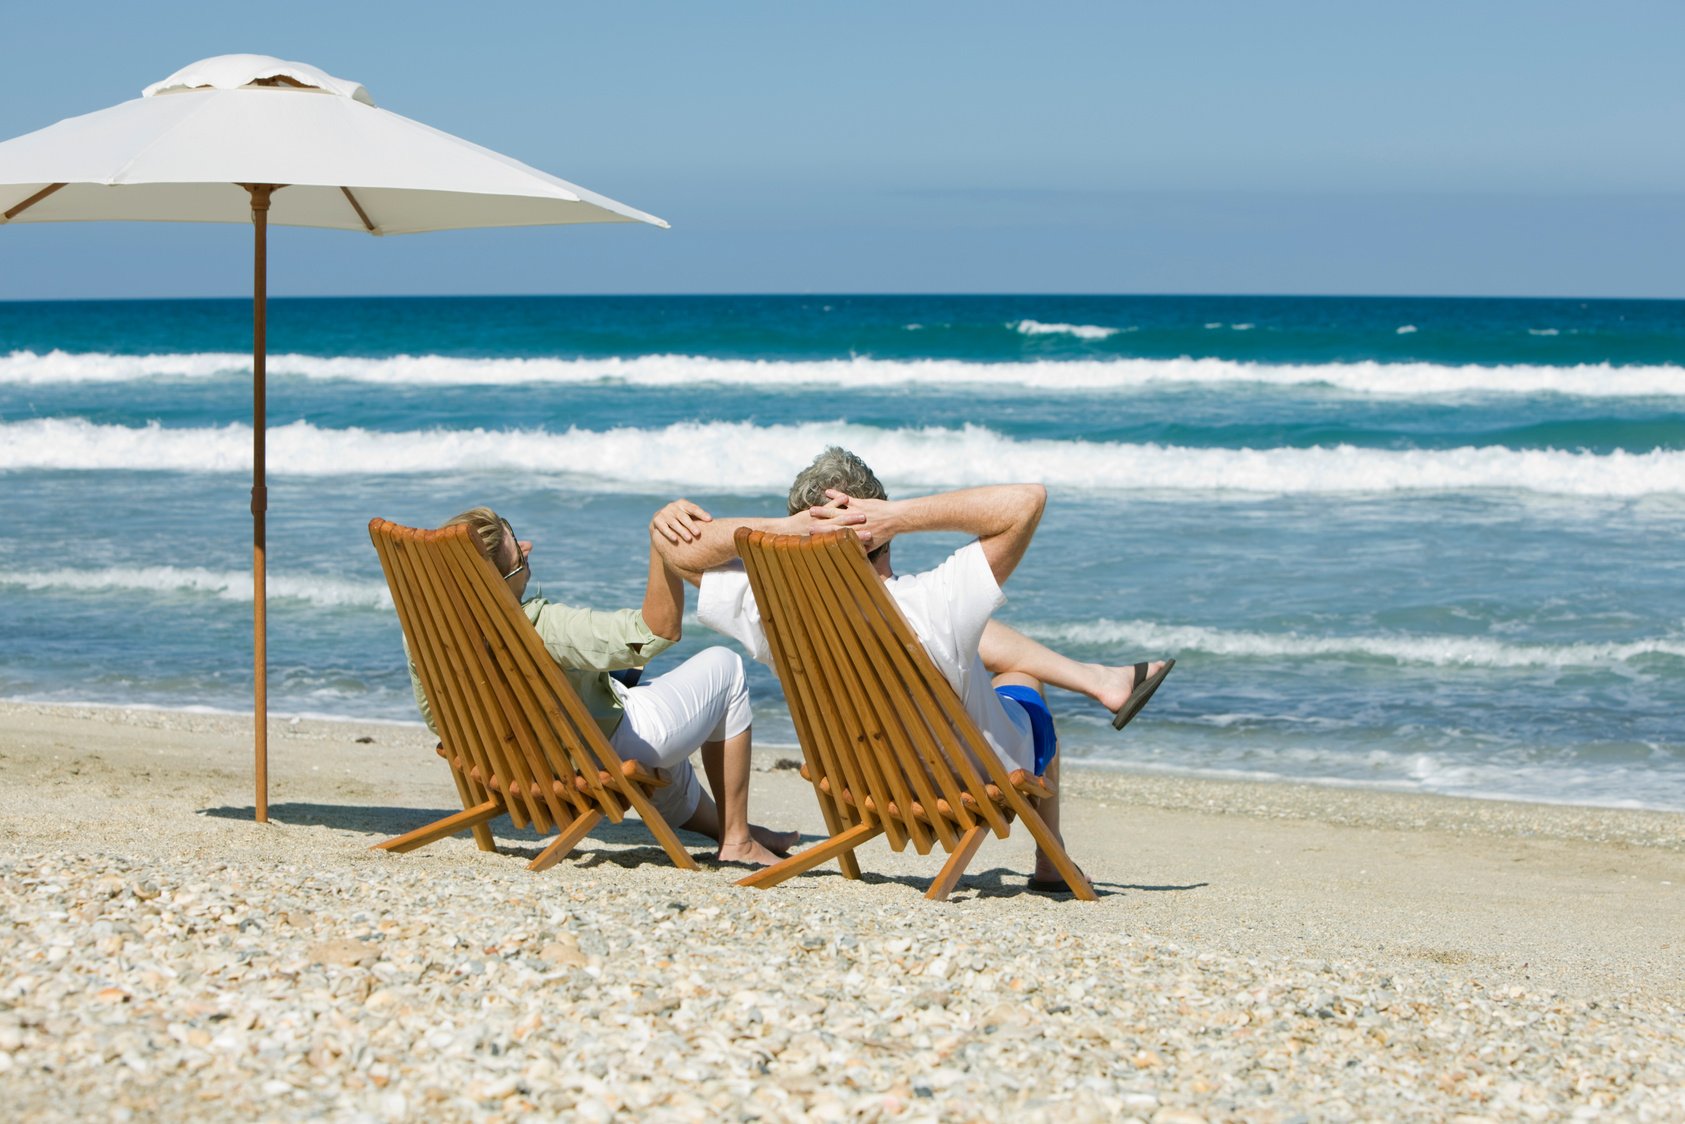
(874, 714)
(502, 706)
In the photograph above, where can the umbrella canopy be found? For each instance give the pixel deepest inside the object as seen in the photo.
(179, 152)
(250, 138)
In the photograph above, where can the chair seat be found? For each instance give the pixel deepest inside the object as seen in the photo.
(1025, 782)
(632, 770)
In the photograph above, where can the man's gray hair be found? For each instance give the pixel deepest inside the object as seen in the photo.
(834, 468)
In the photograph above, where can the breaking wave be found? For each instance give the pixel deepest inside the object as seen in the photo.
(743, 457)
(1080, 331)
(224, 585)
(1431, 651)
(1382, 380)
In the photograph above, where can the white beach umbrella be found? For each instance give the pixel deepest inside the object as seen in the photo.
(249, 138)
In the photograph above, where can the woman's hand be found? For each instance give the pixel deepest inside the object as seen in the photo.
(678, 522)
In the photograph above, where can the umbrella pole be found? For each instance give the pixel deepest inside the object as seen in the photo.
(260, 493)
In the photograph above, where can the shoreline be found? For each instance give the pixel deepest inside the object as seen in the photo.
(1258, 949)
(1153, 779)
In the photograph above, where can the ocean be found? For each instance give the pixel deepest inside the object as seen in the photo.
(1424, 545)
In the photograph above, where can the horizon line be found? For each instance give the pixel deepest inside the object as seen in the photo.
(852, 293)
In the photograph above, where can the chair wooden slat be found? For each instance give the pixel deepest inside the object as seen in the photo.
(458, 677)
(878, 648)
(857, 661)
(858, 735)
(470, 792)
(547, 692)
(950, 740)
(470, 663)
(888, 744)
(816, 751)
(441, 674)
(513, 731)
(815, 708)
(509, 681)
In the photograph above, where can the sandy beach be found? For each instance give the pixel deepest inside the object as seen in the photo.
(1259, 952)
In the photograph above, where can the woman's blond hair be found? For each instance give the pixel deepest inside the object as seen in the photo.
(484, 525)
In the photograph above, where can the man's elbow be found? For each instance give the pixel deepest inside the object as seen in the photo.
(1031, 501)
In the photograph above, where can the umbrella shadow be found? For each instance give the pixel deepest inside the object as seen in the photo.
(382, 820)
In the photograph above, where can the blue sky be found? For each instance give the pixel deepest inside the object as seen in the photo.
(1500, 148)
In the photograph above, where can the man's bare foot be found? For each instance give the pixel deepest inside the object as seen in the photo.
(1114, 685)
(749, 851)
(778, 842)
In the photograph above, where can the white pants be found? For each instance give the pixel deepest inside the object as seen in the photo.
(704, 699)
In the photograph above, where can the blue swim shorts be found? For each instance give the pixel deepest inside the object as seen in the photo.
(1041, 722)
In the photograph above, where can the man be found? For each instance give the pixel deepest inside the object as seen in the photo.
(703, 703)
(997, 672)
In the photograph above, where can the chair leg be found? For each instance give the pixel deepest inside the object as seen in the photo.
(438, 829)
(836, 825)
(839, 845)
(660, 828)
(482, 833)
(955, 866)
(566, 841)
(1067, 869)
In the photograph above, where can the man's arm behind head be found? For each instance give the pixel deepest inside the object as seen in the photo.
(1003, 517)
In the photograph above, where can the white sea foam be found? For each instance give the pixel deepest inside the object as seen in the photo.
(1382, 380)
(1432, 651)
(30, 368)
(1080, 331)
(1406, 329)
(1555, 783)
(749, 458)
(224, 585)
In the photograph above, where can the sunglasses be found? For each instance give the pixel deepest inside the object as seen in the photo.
(522, 564)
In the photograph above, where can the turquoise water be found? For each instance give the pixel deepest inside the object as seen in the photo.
(1421, 544)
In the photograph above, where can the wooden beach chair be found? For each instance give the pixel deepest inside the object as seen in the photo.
(514, 732)
(889, 747)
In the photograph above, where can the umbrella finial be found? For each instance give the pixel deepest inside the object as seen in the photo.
(232, 72)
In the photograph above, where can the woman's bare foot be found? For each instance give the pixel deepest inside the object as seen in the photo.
(748, 851)
(778, 842)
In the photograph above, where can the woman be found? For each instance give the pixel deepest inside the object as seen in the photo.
(703, 703)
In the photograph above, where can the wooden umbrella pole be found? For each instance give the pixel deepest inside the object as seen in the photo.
(260, 493)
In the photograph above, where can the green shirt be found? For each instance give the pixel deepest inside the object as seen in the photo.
(586, 644)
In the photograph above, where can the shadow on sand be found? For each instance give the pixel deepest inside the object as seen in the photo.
(631, 846)
(630, 843)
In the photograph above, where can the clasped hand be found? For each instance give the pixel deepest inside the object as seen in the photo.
(872, 520)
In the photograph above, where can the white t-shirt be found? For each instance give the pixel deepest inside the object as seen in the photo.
(947, 607)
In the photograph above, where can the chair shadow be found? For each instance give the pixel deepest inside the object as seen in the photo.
(996, 882)
(631, 843)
